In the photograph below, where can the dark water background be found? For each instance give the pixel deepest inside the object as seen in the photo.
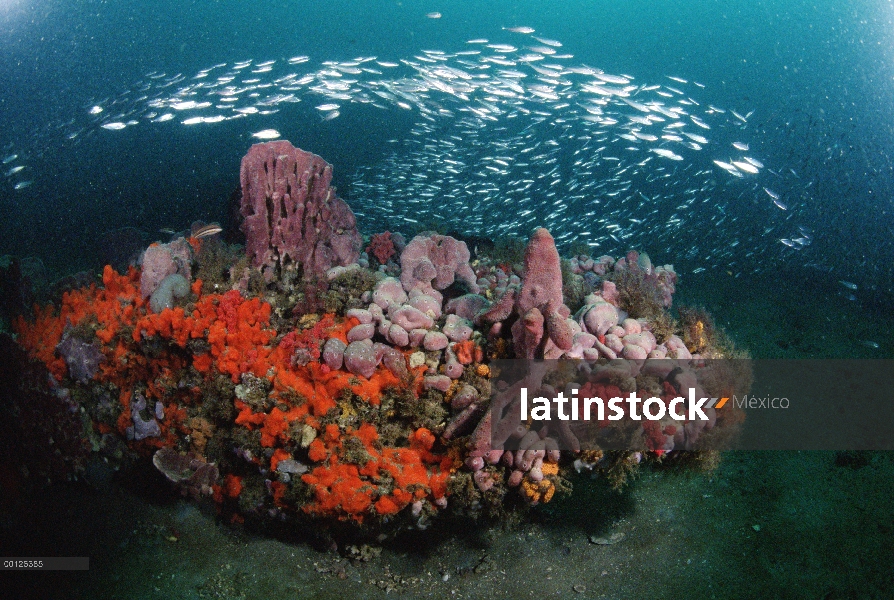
(819, 77)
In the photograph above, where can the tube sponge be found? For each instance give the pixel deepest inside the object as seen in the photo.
(172, 286)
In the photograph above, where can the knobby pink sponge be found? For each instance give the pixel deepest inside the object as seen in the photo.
(292, 218)
(433, 262)
(539, 305)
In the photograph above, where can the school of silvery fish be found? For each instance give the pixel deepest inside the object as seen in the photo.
(509, 136)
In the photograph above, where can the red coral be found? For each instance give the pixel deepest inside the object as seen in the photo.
(238, 339)
(381, 246)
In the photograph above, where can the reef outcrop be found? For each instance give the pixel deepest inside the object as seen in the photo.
(392, 407)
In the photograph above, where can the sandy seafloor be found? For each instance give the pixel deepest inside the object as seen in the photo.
(813, 525)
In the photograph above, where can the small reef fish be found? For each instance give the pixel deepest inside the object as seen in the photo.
(207, 230)
(525, 30)
(266, 134)
(22, 185)
(433, 15)
(848, 285)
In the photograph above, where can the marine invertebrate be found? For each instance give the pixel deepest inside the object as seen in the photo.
(292, 218)
(82, 358)
(381, 247)
(697, 327)
(161, 260)
(541, 330)
(172, 286)
(379, 413)
(433, 262)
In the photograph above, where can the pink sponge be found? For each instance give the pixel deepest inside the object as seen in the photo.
(161, 260)
(433, 262)
(292, 218)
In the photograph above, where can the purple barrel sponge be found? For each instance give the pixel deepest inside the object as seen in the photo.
(292, 217)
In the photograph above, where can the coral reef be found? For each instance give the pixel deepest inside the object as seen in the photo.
(299, 384)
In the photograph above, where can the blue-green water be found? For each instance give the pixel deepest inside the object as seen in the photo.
(814, 81)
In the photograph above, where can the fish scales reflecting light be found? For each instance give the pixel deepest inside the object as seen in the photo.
(502, 121)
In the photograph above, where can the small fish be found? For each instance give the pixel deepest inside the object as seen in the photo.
(745, 166)
(725, 165)
(549, 42)
(848, 285)
(433, 15)
(667, 153)
(207, 230)
(95, 110)
(327, 107)
(266, 134)
(116, 126)
(15, 170)
(771, 194)
(22, 185)
(525, 30)
(754, 161)
(331, 115)
(699, 122)
(616, 79)
(698, 270)
(870, 344)
(740, 146)
(10, 158)
(780, 204)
